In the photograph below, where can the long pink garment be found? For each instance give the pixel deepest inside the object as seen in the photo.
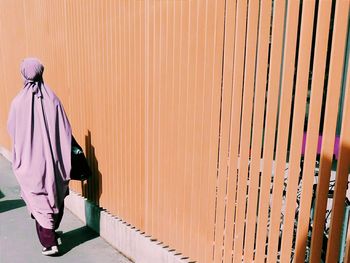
(41, 137)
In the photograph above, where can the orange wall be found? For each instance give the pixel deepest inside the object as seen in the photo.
(141, 82)
(176, 104)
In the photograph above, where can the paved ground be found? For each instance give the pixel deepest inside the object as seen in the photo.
(18, 239)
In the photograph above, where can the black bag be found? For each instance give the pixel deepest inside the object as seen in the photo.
(80, 169)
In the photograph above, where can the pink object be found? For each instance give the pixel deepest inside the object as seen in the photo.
(319, 145)
(41, 151)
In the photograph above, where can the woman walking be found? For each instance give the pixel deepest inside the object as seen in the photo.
(41, 152)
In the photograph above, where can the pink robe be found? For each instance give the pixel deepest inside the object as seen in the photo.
(41, 137)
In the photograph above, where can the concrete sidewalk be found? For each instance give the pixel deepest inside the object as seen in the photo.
(18, 238)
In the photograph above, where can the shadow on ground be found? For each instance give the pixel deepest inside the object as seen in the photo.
(8, 205)
(75, 238)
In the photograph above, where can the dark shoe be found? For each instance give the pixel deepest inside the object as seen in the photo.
(50, 251)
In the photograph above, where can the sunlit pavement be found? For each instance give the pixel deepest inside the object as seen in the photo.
(18, 239)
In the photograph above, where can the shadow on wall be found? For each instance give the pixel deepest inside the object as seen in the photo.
(92, 188)
(317, 234)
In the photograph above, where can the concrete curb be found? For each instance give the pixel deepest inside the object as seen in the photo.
(128, 240)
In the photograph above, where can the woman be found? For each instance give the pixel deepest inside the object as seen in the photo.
(41, 137)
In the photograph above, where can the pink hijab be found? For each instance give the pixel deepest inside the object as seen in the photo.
(41, 152)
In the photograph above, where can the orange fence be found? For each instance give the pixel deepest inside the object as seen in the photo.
(201, 119)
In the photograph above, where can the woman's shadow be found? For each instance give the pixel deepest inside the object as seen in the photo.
(91, 189)
(75, 238)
